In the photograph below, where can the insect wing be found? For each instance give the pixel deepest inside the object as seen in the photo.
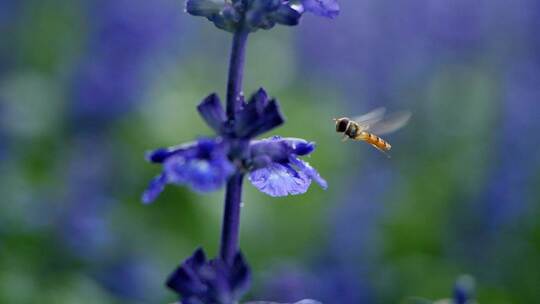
(366, 120)
(391, 123)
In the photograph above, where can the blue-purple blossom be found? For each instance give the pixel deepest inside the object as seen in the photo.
(202, 165)
(199, 281)
(273, 164)
(261, 114)
(252, 15)
(281, 172)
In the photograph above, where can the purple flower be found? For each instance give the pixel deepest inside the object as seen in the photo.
(200, 281)
(203, 166)
(124, 36)
(273, 164)
(256, 117)
(278, 170)
(324, 8)
(259, 14)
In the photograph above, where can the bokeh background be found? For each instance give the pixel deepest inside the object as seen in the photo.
(87, 86)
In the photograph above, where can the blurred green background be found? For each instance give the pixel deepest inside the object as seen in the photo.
(87, 86)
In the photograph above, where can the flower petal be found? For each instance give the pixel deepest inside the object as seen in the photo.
(300, 146)
(308, 170)
(259, 100)
(324, 8)
(240, 275)
(184, 279)
(258, 116)
(202, 175)
(161, 154)
(203, 165)
(279, 180)
(286, 15)
(273, 148)
(279, 149)
(155, 187)
(212, 112)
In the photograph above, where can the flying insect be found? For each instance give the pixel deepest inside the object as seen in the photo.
(369, 126)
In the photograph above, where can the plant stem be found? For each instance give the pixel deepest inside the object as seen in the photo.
(236, 73)
(233, 193)
(231, 218)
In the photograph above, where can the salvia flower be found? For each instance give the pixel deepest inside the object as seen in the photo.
(203, 165)
(273, 164)
(202, 281)
(277, 169)
(251, 15)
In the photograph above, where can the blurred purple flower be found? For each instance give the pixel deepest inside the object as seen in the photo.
(9, 10)
(83, 221)
(199, 281)
(509, 190)
(83, 225)
(380, 42)
(205, 165)
(124, 37)
(464, 290)
(326, 281)
(128, 277)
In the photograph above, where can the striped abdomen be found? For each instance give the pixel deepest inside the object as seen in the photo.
(374, 140)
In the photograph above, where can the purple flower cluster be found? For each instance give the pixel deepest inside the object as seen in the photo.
(259, 14)
(200, 281)
(124, 35)
(273, 164)
(203, 281)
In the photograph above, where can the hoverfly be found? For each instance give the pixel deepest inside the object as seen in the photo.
(365, 127)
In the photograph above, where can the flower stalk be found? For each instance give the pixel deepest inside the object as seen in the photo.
(231, 218)
(233, 192)
(272, 165)
(236, 73)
